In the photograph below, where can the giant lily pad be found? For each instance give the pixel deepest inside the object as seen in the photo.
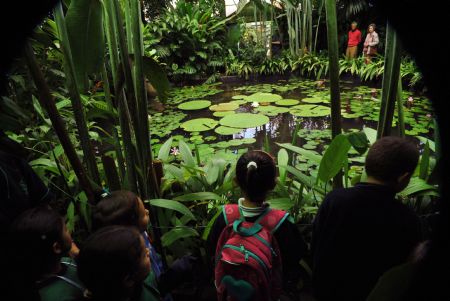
(239, 97)
(272, 110)
(314, 100)
(199, 125)
(194, 105)
(226, 106)
(263, 97)
(244, 120)
(223, 113)
(310, 111)
(287, 102)
(225, 130)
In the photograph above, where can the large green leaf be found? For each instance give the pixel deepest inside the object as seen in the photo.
(283, 159)
(281, 203)
(84, 21)
(164, 151)
(156, 76)
(371, 134)
(417, 185)
(199, 125)
(359, 141)
(172, 205)
(186, 154)
(310, 155)
(333, 158)
(199, 196)
(244, 120)
(194, 105)
(176, 233)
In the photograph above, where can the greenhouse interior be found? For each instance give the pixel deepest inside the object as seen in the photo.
(237, 150)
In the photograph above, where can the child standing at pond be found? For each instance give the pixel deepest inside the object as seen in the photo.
(127, 209)
(256, 176)
(114, 264)
(362, 231)
(39, 243)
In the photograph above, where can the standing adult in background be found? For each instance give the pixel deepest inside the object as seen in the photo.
(371, 44)
(354, 38)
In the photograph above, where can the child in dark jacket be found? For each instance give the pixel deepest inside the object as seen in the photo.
(362, 231)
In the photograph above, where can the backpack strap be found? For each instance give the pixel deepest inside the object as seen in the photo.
(231, 213)
(273, 219)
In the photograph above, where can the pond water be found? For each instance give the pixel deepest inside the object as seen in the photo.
(277, 107)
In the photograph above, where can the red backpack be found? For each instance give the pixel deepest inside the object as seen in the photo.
(248, 260)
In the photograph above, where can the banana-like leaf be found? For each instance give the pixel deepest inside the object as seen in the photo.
(333, 158)
(84, 21)
(164, 151)
(199, 196)
(172, 205)
(176, 233)
(157, 77)
(186, 154)
(283, 159)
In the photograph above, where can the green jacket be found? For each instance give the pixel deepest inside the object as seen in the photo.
(62, 287)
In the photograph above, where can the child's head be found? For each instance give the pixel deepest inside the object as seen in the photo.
(121, 208)
(113, 263)
(255, 175)
(39, 238)
(392, 160)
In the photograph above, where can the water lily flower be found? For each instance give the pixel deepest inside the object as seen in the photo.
(410, 99)
(174, 151)
(255, 104)
(429, 115)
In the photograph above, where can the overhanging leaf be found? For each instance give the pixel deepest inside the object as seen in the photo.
(175, 234)
(172, 205)
(156, 76)
(333, 158)
(84, 21)
(199, 196)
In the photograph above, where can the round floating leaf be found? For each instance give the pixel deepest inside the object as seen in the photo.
(244, 120)
(272, 110)
(248, 140)
(239, 97)
(226, 106)
(225, 130)
(223, 113)
(263, 97)
(210, 138)
(194, 105)
(235, 142)
(310, 111)
(199, 125)
(238, 102)
(314, 100)
(287, 102)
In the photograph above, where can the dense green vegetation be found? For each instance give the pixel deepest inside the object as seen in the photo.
(93, 104)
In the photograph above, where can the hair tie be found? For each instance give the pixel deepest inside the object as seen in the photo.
(105, 193)
(252, 163)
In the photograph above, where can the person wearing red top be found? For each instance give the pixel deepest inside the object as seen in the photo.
(354, 38)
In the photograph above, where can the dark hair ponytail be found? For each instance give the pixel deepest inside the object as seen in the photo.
(255, 175)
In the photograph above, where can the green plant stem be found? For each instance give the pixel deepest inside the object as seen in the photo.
(75, 97)
(47, 101)
(392, 61)
(333, 53)
(401, 115)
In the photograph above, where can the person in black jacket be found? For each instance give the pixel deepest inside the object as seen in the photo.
(362, 231)
(256, 176)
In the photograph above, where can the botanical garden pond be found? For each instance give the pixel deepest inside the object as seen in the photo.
(228, 119)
